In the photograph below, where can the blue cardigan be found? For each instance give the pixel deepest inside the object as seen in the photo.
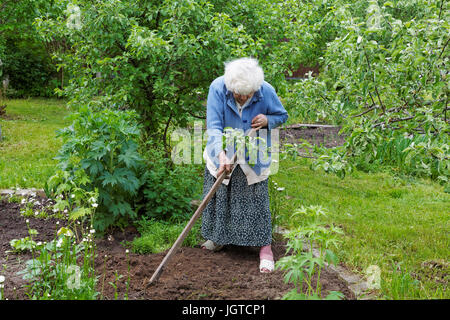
(222, 112)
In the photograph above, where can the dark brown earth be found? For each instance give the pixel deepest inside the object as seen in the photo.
(192, 274)
(328, 136)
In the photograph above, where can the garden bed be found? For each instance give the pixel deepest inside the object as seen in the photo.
(327, 136)
(193, 273)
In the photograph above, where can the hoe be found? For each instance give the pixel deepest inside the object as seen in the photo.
(191, 222)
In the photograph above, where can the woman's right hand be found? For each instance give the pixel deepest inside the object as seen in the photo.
(225, 164)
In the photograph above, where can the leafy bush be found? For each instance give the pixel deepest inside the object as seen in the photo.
(104, 152)
(29, 68)
(104, 143)
(384, 77)
(168, 190)
(148, 55)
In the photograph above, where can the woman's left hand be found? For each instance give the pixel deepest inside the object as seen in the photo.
(260, 121)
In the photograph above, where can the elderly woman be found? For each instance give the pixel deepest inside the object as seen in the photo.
(239, 212)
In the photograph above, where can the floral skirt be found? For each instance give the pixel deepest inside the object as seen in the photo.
(238, 213)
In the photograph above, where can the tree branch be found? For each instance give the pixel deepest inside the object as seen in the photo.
(375, 85)
(367, 111)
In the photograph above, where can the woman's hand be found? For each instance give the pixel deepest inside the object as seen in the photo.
(225, 164)
(260, 121)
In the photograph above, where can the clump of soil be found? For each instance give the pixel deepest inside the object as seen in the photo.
(192, 273)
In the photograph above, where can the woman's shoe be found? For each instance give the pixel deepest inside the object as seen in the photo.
(266, 264)
(210, 245)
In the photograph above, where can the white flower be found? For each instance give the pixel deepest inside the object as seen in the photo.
(127, 251)
(95, 205)
(92, 199)
(65, 211)
(36, 213)
(280, 188)
(57, 223)
(2, 279)
(27, 221)
(59, 242)
(72, 196)
(92, 231)
(23, 201)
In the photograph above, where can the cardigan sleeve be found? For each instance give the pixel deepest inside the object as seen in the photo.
(276, 114)
(214, 123)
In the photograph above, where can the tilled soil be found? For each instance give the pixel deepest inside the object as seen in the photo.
(192, 274)
(321, 136)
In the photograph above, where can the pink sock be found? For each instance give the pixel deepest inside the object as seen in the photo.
(266, 253)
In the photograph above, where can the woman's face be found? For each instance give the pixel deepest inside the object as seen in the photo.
(240, 98)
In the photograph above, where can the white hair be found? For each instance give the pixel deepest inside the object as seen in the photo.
(243, 76)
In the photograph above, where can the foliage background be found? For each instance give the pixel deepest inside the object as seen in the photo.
(383, 75)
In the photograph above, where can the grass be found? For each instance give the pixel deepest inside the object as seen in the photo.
(158, 236)
(401, 225)
(29, 141)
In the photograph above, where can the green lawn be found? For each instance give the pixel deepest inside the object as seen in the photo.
(400, 225)
(29, 141)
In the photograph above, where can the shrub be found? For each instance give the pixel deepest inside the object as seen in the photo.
(104, 144)
(168, 189)
(29, 68)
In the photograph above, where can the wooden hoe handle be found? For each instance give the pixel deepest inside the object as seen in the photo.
(191, 223)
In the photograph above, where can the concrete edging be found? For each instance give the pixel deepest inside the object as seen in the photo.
(23, 192)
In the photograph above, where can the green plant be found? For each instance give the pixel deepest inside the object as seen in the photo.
(130, 51)
(13, 198)
(127, 283)
(26, 243)
(382, 78)
(25, 57)
(115, 285)
(100, 153)
(302, 265)
(157, 236)
(54, 270)
(277, 196)
(401, 286)
(168, 189)
(2, 285)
